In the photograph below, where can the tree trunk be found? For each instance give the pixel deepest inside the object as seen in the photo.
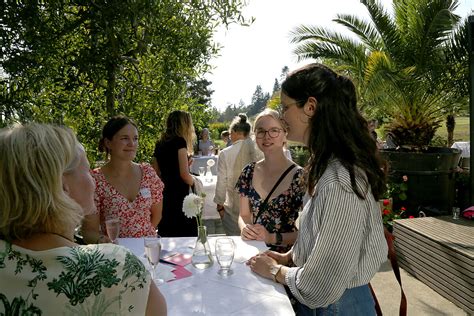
(450, 124)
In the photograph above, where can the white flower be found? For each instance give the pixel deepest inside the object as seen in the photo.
(192, 205)
(211, 162)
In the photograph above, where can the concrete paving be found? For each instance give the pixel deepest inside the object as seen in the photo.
(422, 300)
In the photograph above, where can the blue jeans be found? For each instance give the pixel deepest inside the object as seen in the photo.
(355, 301)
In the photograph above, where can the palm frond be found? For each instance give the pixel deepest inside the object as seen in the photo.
(364, 30)
(384, 25)
(317, 43)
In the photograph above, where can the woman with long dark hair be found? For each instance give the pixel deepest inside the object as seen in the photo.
(341, 244)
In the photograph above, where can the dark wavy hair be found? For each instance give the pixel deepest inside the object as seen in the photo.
(337, 128)
(111, 128)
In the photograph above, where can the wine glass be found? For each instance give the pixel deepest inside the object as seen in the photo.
(225, 255)
(152, 253)
(202, 171)
(112, 225)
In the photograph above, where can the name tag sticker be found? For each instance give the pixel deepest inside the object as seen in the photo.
(145, 192)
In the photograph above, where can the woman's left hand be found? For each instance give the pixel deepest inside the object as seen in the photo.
(261, 264)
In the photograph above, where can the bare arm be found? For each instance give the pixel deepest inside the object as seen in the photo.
(184, 167)
(156, 304)
(155, 166)
(248, 231)
(156, 213)
(245, 217)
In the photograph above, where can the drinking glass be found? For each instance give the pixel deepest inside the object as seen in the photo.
(456, 212)
(112, 225)
(225, 249)
(202, 171)
(152, 253)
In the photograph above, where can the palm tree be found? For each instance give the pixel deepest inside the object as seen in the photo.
(409, 65)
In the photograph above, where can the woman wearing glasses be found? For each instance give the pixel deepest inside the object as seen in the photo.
(341, 244)
(271, 189)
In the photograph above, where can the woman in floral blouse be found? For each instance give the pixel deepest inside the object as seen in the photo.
(125, 190)
(274, 221)
(44, 194)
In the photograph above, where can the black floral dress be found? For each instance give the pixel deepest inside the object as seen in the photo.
(282, 211)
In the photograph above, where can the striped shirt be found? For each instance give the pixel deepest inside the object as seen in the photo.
(341, 242)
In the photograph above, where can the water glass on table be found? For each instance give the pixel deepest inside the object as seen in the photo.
(152, 253)
(202, 171)
(225, 249)
(456, 212)
(112, 225)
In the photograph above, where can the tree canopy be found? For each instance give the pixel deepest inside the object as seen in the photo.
(80, 62)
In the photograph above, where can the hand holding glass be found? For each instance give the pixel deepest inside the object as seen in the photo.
(225, 255)
(152, 252)
(112, 225)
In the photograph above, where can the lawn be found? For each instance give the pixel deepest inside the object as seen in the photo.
(461, 131)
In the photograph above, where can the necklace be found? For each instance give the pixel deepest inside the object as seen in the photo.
(62, 236)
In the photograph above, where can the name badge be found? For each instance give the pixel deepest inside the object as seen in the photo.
(145, 192)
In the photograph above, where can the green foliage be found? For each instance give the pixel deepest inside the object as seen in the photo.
(395, 194)
(217, 128)
(79, 64)
(410, 67)
(300, 155)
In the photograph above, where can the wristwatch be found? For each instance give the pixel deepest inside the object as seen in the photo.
(274, 271)
(279, 238)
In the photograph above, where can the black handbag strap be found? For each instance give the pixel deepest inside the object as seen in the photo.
(264, 203)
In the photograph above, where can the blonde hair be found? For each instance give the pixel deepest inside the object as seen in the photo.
(180, 124)
(268, 112)
(33, 159)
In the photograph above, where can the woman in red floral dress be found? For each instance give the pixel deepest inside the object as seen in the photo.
(125, 190)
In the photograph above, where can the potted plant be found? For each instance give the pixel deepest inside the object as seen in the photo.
(411, 69)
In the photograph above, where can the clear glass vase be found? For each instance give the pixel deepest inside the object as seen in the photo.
(202, 256)
(209, 174)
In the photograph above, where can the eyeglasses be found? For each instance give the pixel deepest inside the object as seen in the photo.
(283, 108)
(272, 132)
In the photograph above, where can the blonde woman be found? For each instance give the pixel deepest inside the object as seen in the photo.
(171, 163)
(46, 189)
(271, 189)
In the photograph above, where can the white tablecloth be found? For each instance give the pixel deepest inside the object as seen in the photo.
(465, 147)
(210, 211)
(201, 161)
(207, 293)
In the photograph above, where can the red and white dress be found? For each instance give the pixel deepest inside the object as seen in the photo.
(135, 216)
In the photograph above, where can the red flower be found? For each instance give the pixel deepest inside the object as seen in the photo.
(411, 216)
(403, 209)
(386, 202)
(386, 212)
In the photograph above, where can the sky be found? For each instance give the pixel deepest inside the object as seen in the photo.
(255, 55)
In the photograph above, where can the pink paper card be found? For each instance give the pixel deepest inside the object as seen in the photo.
(180, 273)
(179, 259)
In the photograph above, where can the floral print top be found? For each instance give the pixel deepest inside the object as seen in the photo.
(281, 211)
(103, 279)
(135, 216)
